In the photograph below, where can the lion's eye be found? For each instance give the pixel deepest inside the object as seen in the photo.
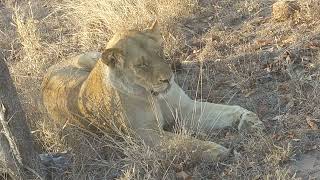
(142, 65)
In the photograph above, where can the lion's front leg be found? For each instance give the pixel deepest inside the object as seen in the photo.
(212, 116)
(206, 116)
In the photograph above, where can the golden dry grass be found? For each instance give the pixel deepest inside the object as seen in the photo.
(96, 21)
(238, 46)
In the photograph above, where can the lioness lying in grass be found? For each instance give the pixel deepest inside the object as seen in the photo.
(129, 86)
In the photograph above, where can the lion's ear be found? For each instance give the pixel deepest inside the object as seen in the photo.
(111, 56)
(154, 31)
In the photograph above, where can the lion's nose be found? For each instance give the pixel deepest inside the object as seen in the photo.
(165, 78)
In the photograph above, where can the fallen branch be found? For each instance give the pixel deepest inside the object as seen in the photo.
(8, 164)
(18, 156)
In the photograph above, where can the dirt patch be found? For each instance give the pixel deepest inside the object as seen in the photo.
(307, 165)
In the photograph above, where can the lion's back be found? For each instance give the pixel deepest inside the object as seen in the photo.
(60, 88)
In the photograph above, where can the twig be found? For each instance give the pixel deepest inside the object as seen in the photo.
(6, 131)
(8, 162)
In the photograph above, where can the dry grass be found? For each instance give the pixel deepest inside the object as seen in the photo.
(243, 60)
(95, 21)
(28, 37)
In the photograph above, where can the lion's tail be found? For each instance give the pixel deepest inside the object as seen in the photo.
(88, 60)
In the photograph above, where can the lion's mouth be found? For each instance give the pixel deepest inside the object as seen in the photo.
(162, 89)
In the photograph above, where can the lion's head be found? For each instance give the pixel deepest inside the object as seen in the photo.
(135, 62)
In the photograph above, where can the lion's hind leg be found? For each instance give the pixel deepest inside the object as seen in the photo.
(206, 151)
(199, 150)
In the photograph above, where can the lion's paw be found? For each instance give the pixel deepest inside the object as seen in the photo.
(249, 120)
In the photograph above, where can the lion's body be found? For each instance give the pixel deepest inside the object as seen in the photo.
(130, 87)
(80, 91)
(68, 98)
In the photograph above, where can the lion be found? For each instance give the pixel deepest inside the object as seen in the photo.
(130, 87)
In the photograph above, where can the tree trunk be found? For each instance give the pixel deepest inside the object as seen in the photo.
(16, 145)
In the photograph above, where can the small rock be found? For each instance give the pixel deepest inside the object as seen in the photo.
(284, 9)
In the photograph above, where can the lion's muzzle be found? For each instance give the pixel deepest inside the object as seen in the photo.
(163, 87)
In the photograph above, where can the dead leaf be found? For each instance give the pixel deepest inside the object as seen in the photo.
(263, 42)
(312, 122)
(278, 118)
(283, 88)
(291, 135)
(183, 176)
(287, 40)
(276, 137)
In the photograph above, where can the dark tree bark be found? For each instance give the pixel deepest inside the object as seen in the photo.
(17, 151)
(8, 164)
